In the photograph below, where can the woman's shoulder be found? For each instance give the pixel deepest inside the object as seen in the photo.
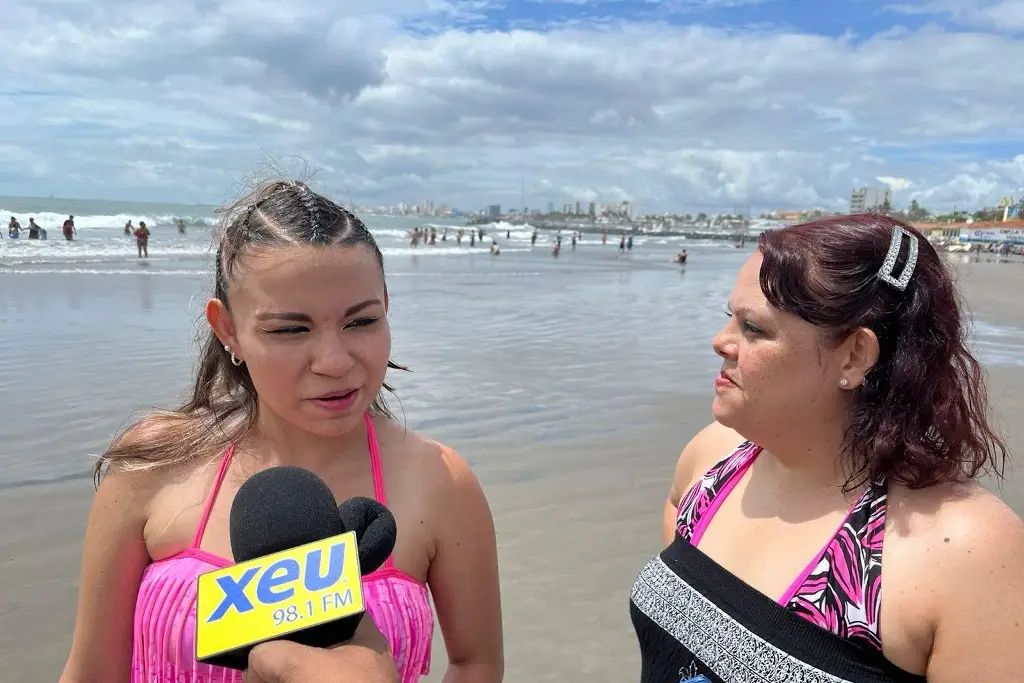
(707, 447)
(959, 514)
(432, 462)
(135, 462)
(958, 555)
(952, 535)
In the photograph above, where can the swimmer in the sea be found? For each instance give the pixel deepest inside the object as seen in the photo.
(69, 229)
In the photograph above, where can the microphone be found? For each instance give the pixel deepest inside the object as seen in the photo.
(300, 558)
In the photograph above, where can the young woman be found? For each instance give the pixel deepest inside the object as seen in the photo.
(828, 526)
(291, 374)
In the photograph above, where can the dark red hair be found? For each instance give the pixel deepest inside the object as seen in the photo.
(921, 416)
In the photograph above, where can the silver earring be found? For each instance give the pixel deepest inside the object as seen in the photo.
(843, 382)
(234, 361)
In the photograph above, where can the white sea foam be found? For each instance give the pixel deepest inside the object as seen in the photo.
(52, 222)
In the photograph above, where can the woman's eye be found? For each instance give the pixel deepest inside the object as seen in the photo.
(747, 326)
(288, 330)
(362, 322)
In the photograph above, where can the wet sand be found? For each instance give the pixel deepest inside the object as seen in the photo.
(576, 519)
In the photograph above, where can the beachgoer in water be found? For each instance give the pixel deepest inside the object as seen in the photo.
(182, 228)
(681, 258)
(829, 526)
(34, 231)
(69, 228)
(622, 242)
(291, 373)
(142, 239)
(14, 228)
(128, 227)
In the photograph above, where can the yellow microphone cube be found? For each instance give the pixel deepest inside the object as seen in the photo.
(276, 595)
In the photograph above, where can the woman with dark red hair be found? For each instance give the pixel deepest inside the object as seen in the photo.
(828, 525)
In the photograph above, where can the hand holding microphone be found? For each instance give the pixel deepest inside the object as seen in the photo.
(366, 658)
(300, 561)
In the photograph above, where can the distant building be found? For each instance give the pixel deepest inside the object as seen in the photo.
(869, 198)
(494, 210)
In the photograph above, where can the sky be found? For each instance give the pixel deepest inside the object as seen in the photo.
(674, 105)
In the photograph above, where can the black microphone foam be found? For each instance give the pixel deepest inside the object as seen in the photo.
(375, 527)
(285, 507)
(281, 508)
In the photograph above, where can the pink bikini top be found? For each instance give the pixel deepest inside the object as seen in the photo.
(163, 645)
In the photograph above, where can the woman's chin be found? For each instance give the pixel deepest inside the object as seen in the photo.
(722, 411)
(331, 427)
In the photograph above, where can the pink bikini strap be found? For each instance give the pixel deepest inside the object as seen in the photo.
(378, 471)
(221, 471)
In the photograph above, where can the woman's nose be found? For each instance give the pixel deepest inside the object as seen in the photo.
(723, 343)
(332, 359)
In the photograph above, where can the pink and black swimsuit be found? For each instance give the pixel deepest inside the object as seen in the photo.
(696, 621)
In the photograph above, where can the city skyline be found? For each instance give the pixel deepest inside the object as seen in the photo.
(682, 105)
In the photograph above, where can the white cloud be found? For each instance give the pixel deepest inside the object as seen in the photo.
(150, 100)
(896, 184)
(1006, 15)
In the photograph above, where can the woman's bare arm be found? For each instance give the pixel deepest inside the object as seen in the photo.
(463, 577)
(979, 546)
(113, 560)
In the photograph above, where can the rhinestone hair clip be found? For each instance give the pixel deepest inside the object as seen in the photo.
(885, 273)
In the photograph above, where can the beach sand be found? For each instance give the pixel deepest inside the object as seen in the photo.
(575, 521)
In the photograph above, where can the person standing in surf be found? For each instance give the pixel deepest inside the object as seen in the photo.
(142, 239)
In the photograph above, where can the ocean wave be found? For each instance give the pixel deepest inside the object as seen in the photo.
(192, 272)
(52, 222)
(481, 248)
(505, 226)
(25, 251)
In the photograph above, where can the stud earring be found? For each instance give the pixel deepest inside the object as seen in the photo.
(234, 361)
(844, 383)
